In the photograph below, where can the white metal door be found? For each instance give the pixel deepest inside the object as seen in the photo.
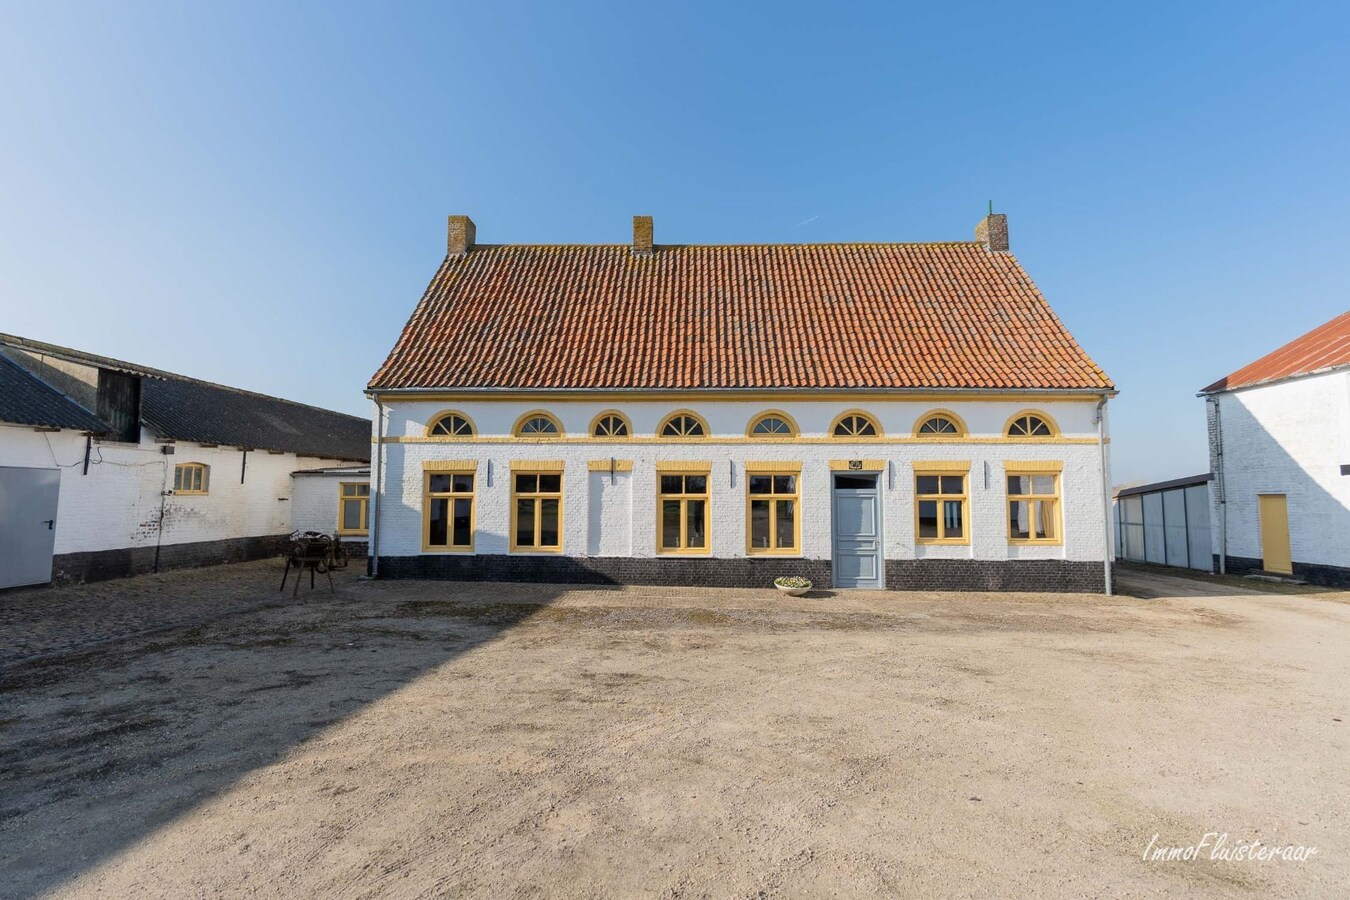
(27, 524)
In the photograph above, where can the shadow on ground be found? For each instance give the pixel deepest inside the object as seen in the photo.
(101, 746)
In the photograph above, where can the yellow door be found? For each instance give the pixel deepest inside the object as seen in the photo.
(1275, 555)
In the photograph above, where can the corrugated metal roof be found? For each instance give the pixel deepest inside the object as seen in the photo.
(26, 399)
(176, 407)
(793, 316)
(1325, 347)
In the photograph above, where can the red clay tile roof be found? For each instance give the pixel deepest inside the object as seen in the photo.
(1325, 347)
(795, 316)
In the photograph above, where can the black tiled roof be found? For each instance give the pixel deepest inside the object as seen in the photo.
(176, 407)
(27, 400)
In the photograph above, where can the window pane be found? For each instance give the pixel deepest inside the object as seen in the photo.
(671, 429)
(524, 523)
(693, 514)
(1043, 484)
(787, 513)
(1019, 520)
(1019, 484)
(672, 484)
(351, 515)
(438, 484)
(460, 426)
(670, 524)
(1039, 428)
(928, 523)
(952, 520)
(463, 484)
(759, 524)
(437, 512)
(178, 478)
(1045, 520)
(696, 484)
(926, 484)
(463, 522)
(761, 484)
(866, 428)
(784, 484)
(439, 428)
(953, 484)
(550, 484)
(527, 484)
(549, 524)
(855, 482)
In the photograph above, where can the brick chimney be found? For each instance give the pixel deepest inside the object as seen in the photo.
(461, 234)
(642, 234)
(993, 232)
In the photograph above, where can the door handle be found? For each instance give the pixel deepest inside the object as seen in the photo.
(51, 523)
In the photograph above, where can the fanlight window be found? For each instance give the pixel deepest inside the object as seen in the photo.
(682, 426)
(1029, 426)
(855, 426)
(939, 425)
(452, 425)
(610, 426)
(773, 425)
(538, 425)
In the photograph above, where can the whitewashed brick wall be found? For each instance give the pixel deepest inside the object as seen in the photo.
(314, 506)
(1081, 486)
(117, 504)
(1288, 438)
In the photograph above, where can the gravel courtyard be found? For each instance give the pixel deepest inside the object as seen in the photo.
(425, 739)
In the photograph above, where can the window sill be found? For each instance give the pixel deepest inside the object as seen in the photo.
(536, 551)
(683, 552)
(426, 549)
(965, 542)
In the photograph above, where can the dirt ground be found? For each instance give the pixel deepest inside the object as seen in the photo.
(425, 739)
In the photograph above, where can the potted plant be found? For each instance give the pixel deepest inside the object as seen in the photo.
(792, 585)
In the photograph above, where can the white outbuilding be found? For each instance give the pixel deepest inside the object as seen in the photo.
(1279, 449)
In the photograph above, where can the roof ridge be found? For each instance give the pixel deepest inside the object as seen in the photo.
(622, 246)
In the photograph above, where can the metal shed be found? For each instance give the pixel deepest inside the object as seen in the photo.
(1166, 523)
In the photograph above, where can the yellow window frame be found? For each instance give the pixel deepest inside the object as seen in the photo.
(521, 422)
(774, 497)
(683, 497)
(537, 497)
(354, 495)
(856, 414)
(942, 498)
(606, 418)
(1036, 499)
(788, 422)
(191, 479)
(445, 416)
(956, 422)
(1020, 415)
(695, 417)
(429, 496)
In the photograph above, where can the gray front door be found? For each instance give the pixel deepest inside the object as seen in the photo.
(27, 524)
(856, 522)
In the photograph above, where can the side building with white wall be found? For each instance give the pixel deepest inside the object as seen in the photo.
(909, 416)
(1279, 437)
(108, 468)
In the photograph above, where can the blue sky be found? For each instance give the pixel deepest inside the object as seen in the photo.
(255, 193)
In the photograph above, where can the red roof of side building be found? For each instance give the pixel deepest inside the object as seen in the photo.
(784, 316)
(1325, 347)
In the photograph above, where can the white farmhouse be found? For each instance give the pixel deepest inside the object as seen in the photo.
(108, 468)
(1279, 449)
(900, 415)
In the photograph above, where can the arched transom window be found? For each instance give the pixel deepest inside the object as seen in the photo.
(451, 424)
(683, 425)
(1030, 425)
(855, 425)
(609, 425)
(772, 424)
(537, 424)
(939, 425)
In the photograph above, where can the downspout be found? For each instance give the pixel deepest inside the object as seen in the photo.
(1220, 494)
(1109, 547)
(373, 568)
